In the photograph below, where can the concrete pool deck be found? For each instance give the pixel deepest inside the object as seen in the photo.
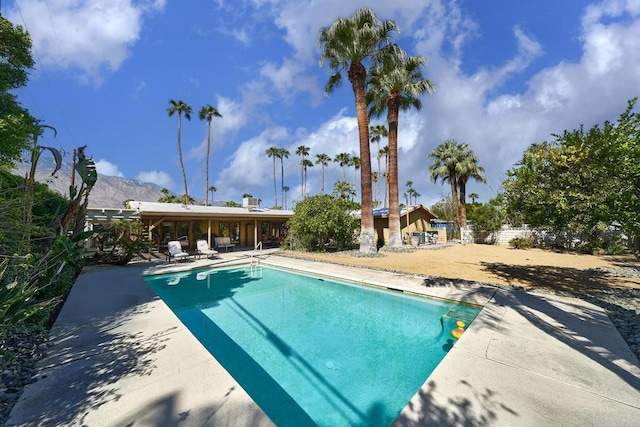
(120, 357)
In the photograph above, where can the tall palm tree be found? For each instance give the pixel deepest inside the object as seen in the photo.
(208, 113)
(283, 153)
(347, 45)
(467, 168)
(375, 179)
(285, 190)
(409, 185)
(474, 197)
(343, 160)
(376, 133)
(356, 163)
(306, 163)
(181, 108)
(213, 189)
(323, 160)
(273, 152)
(384, 152)
(446, 157)
(395, 83)
(302, 151)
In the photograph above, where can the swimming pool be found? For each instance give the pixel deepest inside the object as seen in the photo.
(310, 350)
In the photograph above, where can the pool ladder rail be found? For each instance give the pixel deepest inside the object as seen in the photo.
(256, 260)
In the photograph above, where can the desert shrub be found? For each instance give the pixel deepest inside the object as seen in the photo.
(320, 223)
(521, 242)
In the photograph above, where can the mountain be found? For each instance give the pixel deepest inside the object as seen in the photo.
(109, 191)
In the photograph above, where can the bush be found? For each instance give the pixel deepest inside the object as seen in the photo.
(521, 242)
(321, 223)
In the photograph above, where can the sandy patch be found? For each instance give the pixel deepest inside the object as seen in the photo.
(499, 264)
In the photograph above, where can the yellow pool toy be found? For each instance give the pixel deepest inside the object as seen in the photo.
(457, 332)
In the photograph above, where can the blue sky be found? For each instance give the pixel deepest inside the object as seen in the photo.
(507, 74)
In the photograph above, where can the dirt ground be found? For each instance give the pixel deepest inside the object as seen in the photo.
(540, 268)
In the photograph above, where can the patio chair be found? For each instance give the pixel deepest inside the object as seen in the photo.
(175, 251)
(203, 249)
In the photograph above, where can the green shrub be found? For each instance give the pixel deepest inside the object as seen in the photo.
(321, 223)
(521, 242)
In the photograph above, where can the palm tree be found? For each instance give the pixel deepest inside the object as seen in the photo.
(467, 168)
(356, 163)
(344, 189)
(474, 196)
(343, 160)
(273, 152)
(285, 190)
(283, 153)
(446, 157)
(306, 163)
(302, 151)
(376, 133)
(375, 178)
(384, 152)
(213, 189)
(322, 159)
(395, 83)
(208, 112)
(347, 45)
(181, 108)
(409, 185)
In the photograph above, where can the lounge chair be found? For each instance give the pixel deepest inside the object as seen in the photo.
(203, 249)
(175, 251)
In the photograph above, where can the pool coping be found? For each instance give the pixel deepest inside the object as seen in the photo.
(120, 356)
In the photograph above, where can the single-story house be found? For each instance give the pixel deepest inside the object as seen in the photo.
(413, 219)
(244, 226)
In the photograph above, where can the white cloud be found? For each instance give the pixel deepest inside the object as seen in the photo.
(250, 170)
(105, 167)
(90, 37)
(157, 177)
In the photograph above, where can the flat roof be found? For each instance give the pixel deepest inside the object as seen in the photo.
(179, 209)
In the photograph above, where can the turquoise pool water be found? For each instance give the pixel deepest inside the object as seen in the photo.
(313, 351)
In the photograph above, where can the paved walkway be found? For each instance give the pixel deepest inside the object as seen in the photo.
(120, 357)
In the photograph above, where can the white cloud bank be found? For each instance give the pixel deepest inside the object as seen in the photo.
(91, 38)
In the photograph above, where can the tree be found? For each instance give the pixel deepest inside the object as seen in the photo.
(384, 152)
(467, 168)
(168, 197)
(247, 195)
(181, 108)
(208, 112)
(343, 160)
(446, 157)
(302, 151)
(356, 163)
(395, 83)
(306, 163)
(347, 45)
(273, 152)
(443, 209)
(322, 221)
(376, 133)
(582, 182)
(285, 190)
(474, 197)
(344, 190)
(323, 160)
(213, 189)
(17, 126)
(283, 153)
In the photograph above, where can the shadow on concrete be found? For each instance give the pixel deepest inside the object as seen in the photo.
(459, 410)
